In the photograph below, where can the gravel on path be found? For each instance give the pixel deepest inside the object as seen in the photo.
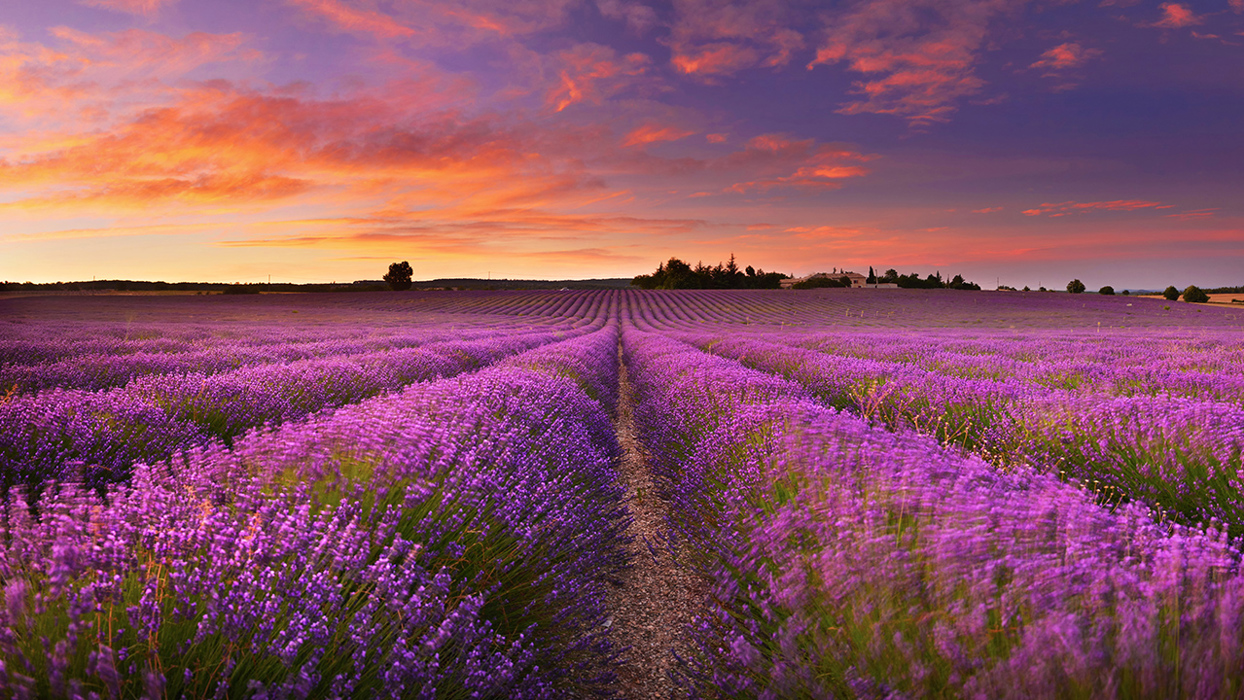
(657, 598)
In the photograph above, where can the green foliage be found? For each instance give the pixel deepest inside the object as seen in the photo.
(676, 274)
(399, 276)
(934, 281)
(1171, 293)
(1075, 287)
(1106, 290)
(1194, 295)
(823, 283)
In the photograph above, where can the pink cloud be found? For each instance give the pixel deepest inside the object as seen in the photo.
(716, 138)
(592, 73)
(136, 51)
(1065, 208)
(653, 133)
(1237, 5)
(1175, 15)
(815, 166)
(714, 38)
(349, 19)
(145, 8)
(1194, 214)
(1065, 56)
(923, 53)
(434, 22)
(986, 210)
(638, 17)
(714, 59)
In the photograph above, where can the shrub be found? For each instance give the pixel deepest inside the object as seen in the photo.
(1171, 293)
(1106, 290)
(1194, 294)
(1075, 287)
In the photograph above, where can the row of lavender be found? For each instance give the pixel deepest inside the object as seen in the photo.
(1170, 436)
(1178, 454)
(95, 436)
(450, 540)
(103, 369)
(848, 560)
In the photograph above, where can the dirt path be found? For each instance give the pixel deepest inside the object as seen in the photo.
(657, 598)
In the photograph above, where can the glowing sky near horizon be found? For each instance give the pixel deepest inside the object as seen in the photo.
(319, 140)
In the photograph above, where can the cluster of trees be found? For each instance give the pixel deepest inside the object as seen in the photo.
(676, 274)
(1191, 293)
(914, 281)
(1077, 287)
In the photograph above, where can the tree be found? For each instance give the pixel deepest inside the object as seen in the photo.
(1171, 293)
(1106, 290)
(872, 276)
(1075, 287)
(1194, 295)
(1126, 293)
(399, 276)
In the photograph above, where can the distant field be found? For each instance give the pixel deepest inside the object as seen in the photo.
(904, 493)
(1213, 298)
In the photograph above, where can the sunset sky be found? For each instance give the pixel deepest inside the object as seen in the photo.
(320, 140)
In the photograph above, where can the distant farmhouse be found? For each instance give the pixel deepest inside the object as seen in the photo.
(858, 281)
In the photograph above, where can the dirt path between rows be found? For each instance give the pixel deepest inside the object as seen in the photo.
(657, 598)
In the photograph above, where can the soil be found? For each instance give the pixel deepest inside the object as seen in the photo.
(657, 598)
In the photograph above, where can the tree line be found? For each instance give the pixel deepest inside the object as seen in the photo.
(676, 274)
(914, 281)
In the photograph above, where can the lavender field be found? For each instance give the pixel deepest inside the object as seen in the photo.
(875, 493)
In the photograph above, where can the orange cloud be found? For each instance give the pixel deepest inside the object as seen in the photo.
(1065, 56)
(815, 166)
(986, 210)
(86, 82)
(145, 8)
(652, 133)
(1175, 15)
(924, 51)
(220, 143)
(592, 73)
(1065, 208)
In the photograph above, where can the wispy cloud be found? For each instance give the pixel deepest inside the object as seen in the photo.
(1175, 15)
(593, 73)
(146, 8)
(653, 133)
(922, 52)
(1064, 57)
(1065, 208)
(713, 39)
(345, 17)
